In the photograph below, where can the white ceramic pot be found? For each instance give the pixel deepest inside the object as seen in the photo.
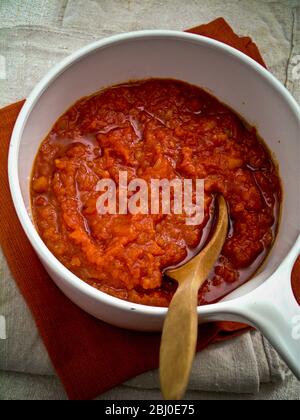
(267, 301)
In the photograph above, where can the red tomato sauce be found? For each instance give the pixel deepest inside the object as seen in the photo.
(161, 129)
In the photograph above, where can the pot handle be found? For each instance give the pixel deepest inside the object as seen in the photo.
(272, 308)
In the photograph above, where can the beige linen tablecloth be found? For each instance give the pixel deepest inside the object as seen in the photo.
(34, 35)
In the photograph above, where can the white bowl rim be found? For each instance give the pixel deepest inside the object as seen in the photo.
(31, 101)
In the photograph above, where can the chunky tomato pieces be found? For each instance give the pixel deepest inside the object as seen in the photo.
(153, 129)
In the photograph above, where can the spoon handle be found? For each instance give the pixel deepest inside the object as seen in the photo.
(180, 330)
(179, 339)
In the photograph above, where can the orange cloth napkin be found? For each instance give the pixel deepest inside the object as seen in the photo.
(89, 356)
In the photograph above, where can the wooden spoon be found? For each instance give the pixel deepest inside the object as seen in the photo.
(179, 337)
